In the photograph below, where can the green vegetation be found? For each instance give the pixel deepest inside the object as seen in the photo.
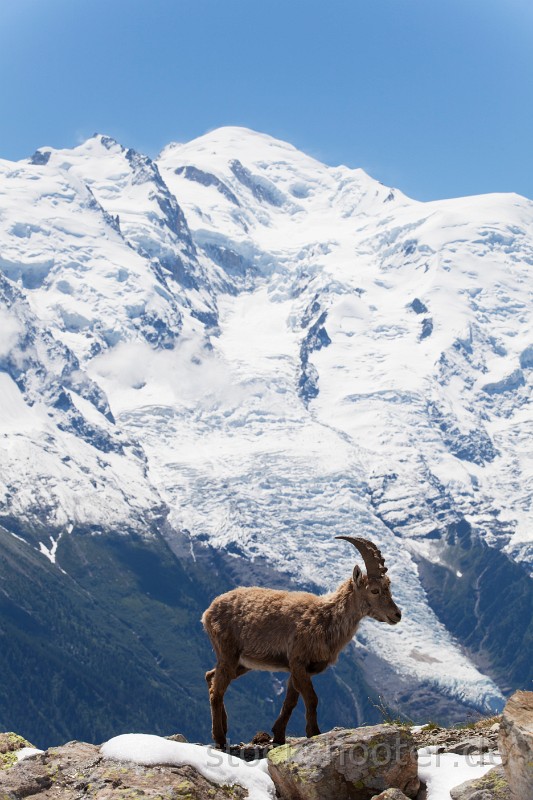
(9, 744)
(479, 722)
(389, 716)
(8, 759)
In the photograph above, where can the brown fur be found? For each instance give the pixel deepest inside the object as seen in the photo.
(295, 632)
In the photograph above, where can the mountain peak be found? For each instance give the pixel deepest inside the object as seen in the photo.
(106, 141)
(225, 144)
(231, 135)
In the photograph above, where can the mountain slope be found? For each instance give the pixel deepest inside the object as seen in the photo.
(269, 352)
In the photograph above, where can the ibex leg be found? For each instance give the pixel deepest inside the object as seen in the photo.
(289, 704)
(304, 685)
(218, 683)
(240, 671)
(209, 677)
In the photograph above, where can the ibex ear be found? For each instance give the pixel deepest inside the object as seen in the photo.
(357, 575)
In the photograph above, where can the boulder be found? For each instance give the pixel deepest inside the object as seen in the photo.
(79, 770)
(492, 786)
(345, 764)
(476, 744)
(516, 744)
(390, 794)
(177, 737)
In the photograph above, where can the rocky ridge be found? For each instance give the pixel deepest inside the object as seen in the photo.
(369, 763)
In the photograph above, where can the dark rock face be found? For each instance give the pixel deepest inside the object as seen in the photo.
(346, 764)
(231, 262)
(46, 369)
(40, 158)
(526, 357)
(418, 306)
(144, 170)
(516, 744)
(79, 770)
(317, 337)
(192, 173)
(508, 384)
(427, 328)
(261, 188)
(474, 445)
(492, 786)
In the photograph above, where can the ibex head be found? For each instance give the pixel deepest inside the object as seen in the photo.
(375, 587)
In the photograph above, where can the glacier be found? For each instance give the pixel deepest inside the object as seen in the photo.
(266, 352)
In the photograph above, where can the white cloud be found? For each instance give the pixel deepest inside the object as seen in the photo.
(10, 331)
(133, 374)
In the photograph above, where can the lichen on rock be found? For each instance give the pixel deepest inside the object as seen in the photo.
(78, 769)
(351, 764)
(9, 744)
(516, 744)
(491, 786)
(281, 753)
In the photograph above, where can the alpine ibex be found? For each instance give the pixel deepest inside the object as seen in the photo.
(295, 632)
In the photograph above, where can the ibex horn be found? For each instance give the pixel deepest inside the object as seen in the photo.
(374, 561)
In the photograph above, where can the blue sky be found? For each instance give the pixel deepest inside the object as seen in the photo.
(432, 96)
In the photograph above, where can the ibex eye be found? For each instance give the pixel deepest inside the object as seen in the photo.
(375, 591)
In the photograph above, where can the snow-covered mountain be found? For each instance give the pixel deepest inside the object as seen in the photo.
(268, 352)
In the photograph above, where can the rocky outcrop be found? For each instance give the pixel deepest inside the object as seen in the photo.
(477, 737)
(10, 746)
(492, 786)
(516, 744)
(79, 770)
(377, 762)
(346, 764)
